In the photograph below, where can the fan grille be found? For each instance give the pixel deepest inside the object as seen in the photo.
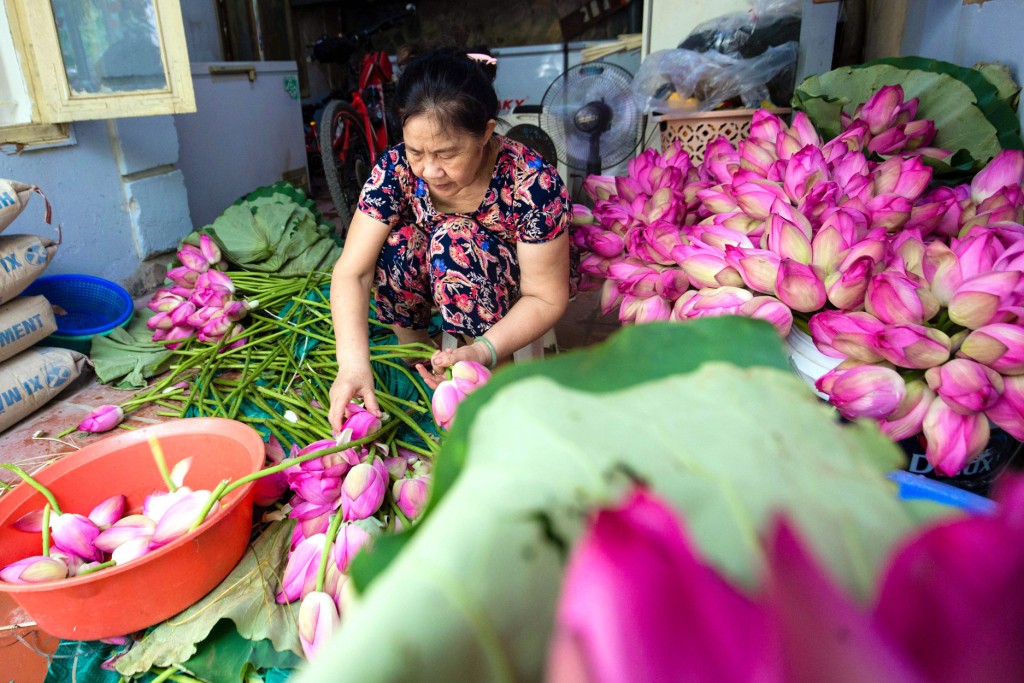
(573, 90)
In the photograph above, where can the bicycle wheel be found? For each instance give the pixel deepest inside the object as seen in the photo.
(346, 156)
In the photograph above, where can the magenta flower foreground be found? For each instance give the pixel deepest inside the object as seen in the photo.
(845, 239)
(638, 603)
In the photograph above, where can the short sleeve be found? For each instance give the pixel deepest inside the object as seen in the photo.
(382, 197)
(541, 204)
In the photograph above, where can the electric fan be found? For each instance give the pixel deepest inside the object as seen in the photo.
(590, 115)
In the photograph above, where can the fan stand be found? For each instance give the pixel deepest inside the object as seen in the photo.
(593, 119)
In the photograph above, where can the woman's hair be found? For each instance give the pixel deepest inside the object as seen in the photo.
(450, 87)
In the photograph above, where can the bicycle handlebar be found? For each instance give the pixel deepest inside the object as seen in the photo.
(338, 49)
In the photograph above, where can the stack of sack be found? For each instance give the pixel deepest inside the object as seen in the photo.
(29, 375)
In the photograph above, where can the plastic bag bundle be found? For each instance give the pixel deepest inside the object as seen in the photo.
(709, 77)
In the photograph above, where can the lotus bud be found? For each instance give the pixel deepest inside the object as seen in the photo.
(318, 618)
(124, 530)
(863, 391)
(806, 168)
(1007, 168)
(846, 288)
(193, 258)
(895, 298)
(888, 211)
(909, 249)
(1000, 346)
(312, 518)
(907, 419)
(179, 517)
(216, 327)
(31, 522)
(210, 250)
(1008, 412)
(906, 177)
(607, 244)
(471, 371)
(582, 215)
(156, 504)
(160, 321)
(941, 269)
(799, 286)
(766, 127)
(75, 534)
(981, 300)
(183, 276)
(268, 489)
(705, 267)
(108, 512)
(236, 310)
(164, 301)
(131, 549)
(755, 158)
(718, 200)
(350, 540)
(842, 334)
(758, 268)
(953, 439)
(611, 297)
(362, 492)
(102, 419)
(73, 562)
(769, 309)
(176, 335)
(914, 346)
(882, 108)
(300, 572)
(397, 467)
(787, 240)
(411, 495)
(35, 569)
(966, 386)
(362, 422)
(755, 198)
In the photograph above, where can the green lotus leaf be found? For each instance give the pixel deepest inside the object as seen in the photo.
(705, 413)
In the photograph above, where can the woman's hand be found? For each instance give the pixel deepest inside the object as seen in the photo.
(446, 358)
(349, 384)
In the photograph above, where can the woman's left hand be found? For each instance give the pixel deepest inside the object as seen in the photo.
(446, 358)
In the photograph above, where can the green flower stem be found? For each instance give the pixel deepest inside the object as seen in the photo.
(161, 463)
(214, 497)
(290, 462)
(411, 423)
(95, 568)
(27, 478)
(416, 449)
(411, 405)
(325, 555)
(46, 530)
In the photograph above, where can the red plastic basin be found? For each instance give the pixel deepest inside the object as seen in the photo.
(146, 591)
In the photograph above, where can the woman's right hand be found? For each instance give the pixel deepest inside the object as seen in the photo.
(351, 383)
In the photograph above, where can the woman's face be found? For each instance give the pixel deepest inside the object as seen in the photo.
(449, 160)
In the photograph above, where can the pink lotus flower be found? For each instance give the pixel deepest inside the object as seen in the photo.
(362, 492)
(35, 569)
(847, 287)
(1000, 346)
(1005, 169)
(863, 390)
(984, 299)
(913, 346)
(103, 419)
(907, 419)
(840, 334)
(599, 187)
(800, 286)
(268, 489)
(1008, 412)
(966, 386)
(882, 109)
(350, 540)
(641, 310)
(132, 549)
(710, 302)
(300, 572)
(771, 310)
(75, 534)
(210, 250)
(447, 396)
(896, 298)
(637, 604)
(411, 495)
(193, 258)
(124, 530)
(474, 373)
(183, 276)
(317, 620)
(179, 517)
(108, 512)
(758, 268)
(31, 522)
(954, 439)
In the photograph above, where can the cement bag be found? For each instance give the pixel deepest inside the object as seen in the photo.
(33, 377)
(13, 198)
(24, 321)
(22, 259)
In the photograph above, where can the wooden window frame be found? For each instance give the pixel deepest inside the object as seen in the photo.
(35, 36)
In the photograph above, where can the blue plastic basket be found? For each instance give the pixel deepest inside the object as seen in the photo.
(84, 306)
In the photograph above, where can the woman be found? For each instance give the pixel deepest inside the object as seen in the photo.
(458, 218)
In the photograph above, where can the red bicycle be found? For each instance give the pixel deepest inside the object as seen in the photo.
(354, 131)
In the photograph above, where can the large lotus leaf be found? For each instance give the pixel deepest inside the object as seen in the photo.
(249, 239)
(962, 121)
(246, 597)
(999, 75)
(472, 593)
